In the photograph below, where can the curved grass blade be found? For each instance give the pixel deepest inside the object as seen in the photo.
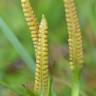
(17, 45)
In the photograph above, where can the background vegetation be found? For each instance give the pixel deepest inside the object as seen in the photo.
(17, 52)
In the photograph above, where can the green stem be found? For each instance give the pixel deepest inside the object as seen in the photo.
(75, 83)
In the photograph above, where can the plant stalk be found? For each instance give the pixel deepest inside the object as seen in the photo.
(75, 84)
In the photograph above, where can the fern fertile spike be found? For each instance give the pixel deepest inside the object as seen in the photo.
(31, 20)
(41, 75)
(44, 39)
(75, 40)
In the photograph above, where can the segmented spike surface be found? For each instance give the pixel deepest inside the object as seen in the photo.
(42, 55)
(31, 20)
(44, 39)
(38, 71)
(75, 40)
(40, 41)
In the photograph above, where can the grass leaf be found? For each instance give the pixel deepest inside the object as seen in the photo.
(17, 45)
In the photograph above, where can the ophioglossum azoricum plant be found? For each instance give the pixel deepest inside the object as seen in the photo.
(75, 44)
(40, 41)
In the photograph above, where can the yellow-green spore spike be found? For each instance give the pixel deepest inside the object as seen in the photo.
(31, 20)
(75, 40)
(41, 75)
(44, 39)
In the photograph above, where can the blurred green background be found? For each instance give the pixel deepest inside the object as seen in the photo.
(17, 53)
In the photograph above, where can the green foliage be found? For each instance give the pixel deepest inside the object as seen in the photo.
(15, 43)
